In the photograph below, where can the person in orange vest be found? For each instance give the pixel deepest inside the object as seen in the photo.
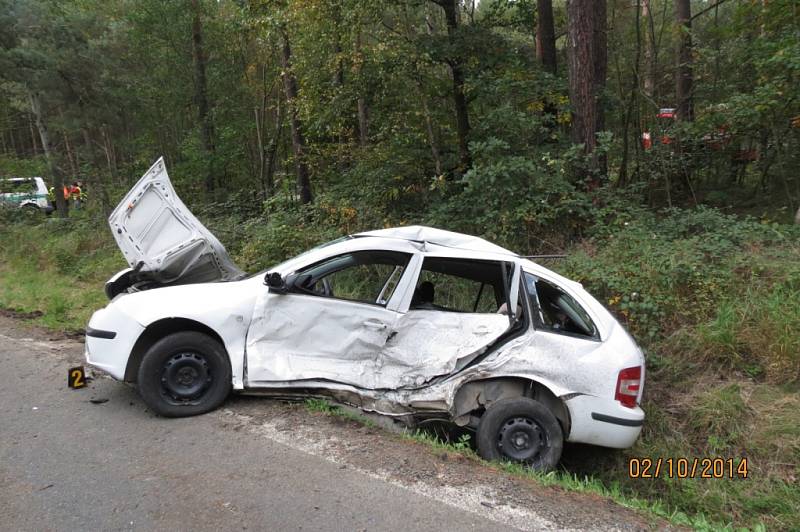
(51, 195)
(75, 194)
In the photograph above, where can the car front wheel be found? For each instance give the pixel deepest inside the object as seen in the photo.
(521, 430)
(184, 374)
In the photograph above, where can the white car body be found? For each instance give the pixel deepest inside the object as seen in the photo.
(387, 356)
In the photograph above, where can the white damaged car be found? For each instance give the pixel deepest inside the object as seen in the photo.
(414, 322)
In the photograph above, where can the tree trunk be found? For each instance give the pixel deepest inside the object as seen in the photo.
(260, 148)
(71, 156)
(363, 111)
(587, 54)
(600, 38)
(49, 154)
(545, 35)
(33, 137)
(93, 180)
(434, 144)
(632, 103)
(112, 171)
(363, 121)
(459, 99)
(272, 152)
(797, 217)
(201, 94)
(649, 81)
(14, 142)
(298, 143)
(685, 77)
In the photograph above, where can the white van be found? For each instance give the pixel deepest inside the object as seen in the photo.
(25, 192)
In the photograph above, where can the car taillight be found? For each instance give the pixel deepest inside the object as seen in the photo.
(628, 383)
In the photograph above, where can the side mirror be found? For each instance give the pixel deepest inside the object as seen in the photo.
(275, 283)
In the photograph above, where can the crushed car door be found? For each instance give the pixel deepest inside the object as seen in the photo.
(459, 309)
(160, 238)
(332, 323)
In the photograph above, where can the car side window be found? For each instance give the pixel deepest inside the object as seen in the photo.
(459, 285)
(21, 186)
(362, 276)
(556, 311)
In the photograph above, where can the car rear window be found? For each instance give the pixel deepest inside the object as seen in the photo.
(557, 311)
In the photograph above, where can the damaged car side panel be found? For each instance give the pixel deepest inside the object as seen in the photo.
(429, 343)
(521, 360)
(299, 337)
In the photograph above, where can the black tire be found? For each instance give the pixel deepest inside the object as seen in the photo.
(31, 210)
(521, 430)
(184, 374)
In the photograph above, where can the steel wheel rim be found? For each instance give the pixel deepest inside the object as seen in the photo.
(521, 439)
(185, 377)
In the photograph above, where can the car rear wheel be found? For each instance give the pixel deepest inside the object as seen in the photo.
(521, 430)
(184, 374)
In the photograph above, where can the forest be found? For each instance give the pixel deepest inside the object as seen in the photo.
(655, 143)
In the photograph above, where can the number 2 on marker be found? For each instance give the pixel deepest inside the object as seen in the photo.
(76, 377)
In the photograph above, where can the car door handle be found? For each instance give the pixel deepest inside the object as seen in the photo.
(481, 330)
(375, 324)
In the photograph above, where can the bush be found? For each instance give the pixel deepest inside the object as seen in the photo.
(658, 272)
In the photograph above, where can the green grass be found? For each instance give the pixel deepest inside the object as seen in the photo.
(66, 304)
(57, 268)
(462, 445)
(322, 406)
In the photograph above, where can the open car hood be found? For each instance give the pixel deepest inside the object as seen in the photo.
(162, 241)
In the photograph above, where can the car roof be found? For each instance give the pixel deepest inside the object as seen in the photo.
(457, 245)
(439, 237)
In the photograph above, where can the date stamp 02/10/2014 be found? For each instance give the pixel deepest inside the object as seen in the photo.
(732, 468)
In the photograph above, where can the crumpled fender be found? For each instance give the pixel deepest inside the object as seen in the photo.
(225, 308)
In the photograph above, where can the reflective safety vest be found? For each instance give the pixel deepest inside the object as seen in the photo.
(51, 194)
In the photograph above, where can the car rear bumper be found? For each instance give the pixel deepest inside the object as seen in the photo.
(603, 422)
(110, 337)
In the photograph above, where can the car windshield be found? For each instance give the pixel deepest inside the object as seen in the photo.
(281, 265)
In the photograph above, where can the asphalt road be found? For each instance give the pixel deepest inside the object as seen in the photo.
(67, 463)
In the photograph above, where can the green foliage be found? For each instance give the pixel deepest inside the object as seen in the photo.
(660, 271)
(15, 167)
(267, 241)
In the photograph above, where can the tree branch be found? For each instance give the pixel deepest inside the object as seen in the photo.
(706, 10)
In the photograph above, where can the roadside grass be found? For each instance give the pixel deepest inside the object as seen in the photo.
(322, 406)
(56, 268)
(464, 446)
